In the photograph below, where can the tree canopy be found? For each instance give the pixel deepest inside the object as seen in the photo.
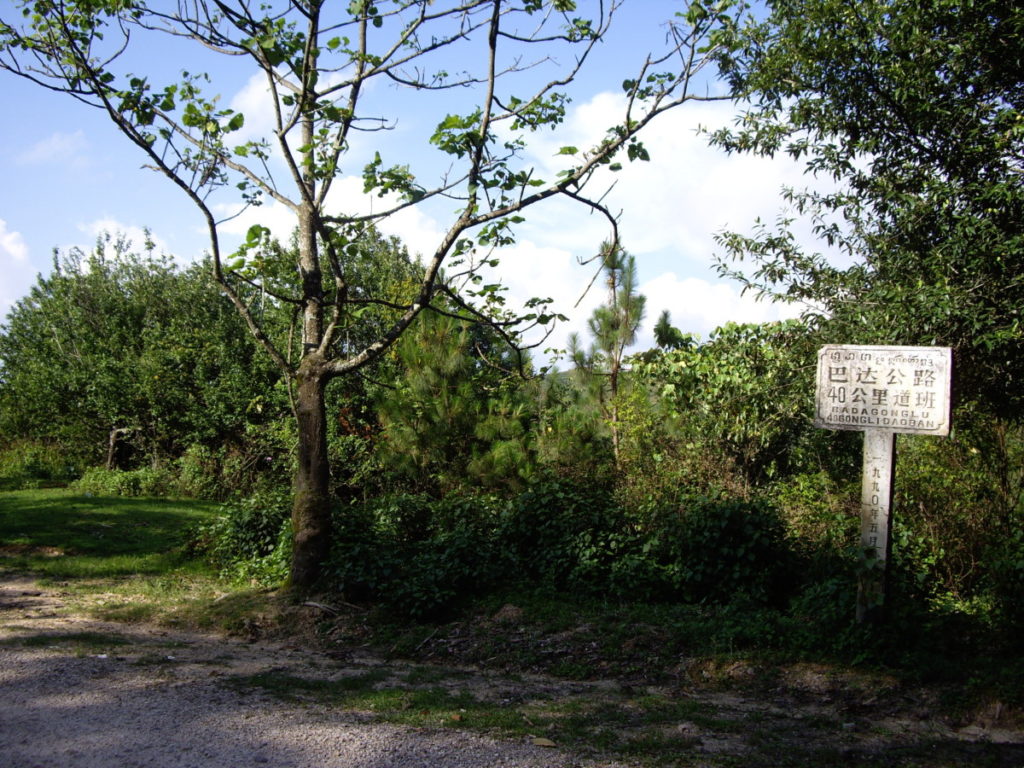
(114, 341)
(915, 111)
(489, 75)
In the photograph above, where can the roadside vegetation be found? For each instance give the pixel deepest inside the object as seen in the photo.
(646, 516)
(666, 683)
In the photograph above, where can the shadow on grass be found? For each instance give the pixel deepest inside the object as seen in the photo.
(60, 535)
(91, 641)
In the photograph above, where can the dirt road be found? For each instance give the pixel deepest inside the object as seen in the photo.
(80, 693)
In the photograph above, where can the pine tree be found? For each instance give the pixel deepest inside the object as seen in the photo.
(614, 326)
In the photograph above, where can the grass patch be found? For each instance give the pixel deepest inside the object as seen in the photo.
(728, 645)
(589, 723)
(373, 692)
(83, 640)
(121, 559)
(586, 640)
(58, 534)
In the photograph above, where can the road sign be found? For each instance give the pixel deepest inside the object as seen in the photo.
(896, 389)
(881, 391)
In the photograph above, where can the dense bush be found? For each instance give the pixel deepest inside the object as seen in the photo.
(31, 464)
(146, 481)
(422, 558)
(233, 470)
(461, 559)
(718, 549)
(250, 539)
(1005, 578)
(417, 556)
(555, 530)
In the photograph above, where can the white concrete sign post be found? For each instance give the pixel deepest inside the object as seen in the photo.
(881, 391)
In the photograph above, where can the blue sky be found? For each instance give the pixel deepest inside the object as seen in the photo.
(68, 175)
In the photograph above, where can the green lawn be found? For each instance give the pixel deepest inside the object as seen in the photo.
(60, 535)
(121, 558)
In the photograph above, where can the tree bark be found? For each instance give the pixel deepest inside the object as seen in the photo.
(112, 457)
(311, 509)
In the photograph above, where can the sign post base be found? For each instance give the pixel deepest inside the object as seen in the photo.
(875, 522)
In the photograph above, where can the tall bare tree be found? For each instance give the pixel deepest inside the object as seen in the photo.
(325, 66)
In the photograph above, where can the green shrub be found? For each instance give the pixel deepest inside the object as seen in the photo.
(30, 464)
(227, 472)
(251, 537)
(714, 550)
(719, 550)
(404, 517)
(817, 510)
(365, 555)
(422, 558)
(268, 570)
(145, 481)
(443, 573)
(419, 558)
(1006, 578)
(821, 615)
(198, 471)
(558, 532)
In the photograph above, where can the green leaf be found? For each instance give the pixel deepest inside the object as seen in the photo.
(255, 234)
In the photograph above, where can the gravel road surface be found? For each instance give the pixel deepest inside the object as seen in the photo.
(161, 700)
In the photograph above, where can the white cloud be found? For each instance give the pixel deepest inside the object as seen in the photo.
(531, 269)
(688, 191)
(135, 234)
(12, 245)
(237, 219)
(699, 306)
(68, 148)
(15, 266)
(413, 226)
(253, 101)
(671, 208)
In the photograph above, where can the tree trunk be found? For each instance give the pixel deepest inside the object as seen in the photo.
(614, 415)
(311, 509)
(113, 459)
